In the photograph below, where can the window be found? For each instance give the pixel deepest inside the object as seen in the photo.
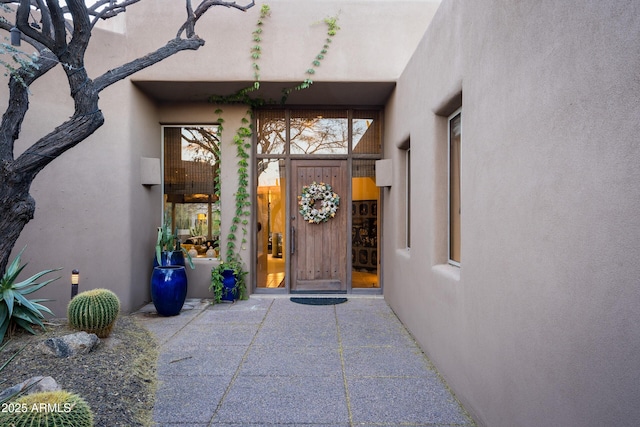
(365, 235)
(454, 137)
(408, 198)
(191, 206)
(366, 137)
(319, 132)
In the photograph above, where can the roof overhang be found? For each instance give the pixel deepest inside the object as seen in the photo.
(319, 93)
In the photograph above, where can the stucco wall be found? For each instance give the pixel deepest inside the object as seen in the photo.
(92, 213)
(85, 217)
(145, 202)
(539, 325)
(374, 43)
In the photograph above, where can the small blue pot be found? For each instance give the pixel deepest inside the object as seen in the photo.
(229, 283)
(169, 289)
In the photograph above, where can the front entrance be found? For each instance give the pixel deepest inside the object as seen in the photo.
(319, 250)
(295, 148)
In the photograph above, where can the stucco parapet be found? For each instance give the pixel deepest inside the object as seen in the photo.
(375, 41)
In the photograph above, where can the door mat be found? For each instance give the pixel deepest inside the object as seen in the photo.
(318, 301)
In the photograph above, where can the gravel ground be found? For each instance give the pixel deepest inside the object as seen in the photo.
(118, 379)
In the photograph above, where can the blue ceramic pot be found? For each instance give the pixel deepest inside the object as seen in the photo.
(169, 289)
(229, 283)
(170, 258)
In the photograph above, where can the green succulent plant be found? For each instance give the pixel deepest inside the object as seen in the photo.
(94, 311)
(168, 242)
(15, 308)
(17, 393)
(49, 409)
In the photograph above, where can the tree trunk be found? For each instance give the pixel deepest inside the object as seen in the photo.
(16, 210)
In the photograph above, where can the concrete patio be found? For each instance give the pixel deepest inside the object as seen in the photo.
(270, 362)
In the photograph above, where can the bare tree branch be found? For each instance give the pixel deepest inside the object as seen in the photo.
(205, 5)
(62, 36)
(115, 8)
(19, 103)
(172, 47)
(59, 27)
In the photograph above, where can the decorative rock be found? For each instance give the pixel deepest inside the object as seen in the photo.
(44, 384)
(32, 385)
(70, 345)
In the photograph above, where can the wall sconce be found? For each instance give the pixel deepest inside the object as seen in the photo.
(75, 278)
(15, 36)
(384, 173)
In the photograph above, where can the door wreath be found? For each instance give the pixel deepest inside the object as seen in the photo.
(322, 193)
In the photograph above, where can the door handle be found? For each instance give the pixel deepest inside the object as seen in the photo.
(293, 240)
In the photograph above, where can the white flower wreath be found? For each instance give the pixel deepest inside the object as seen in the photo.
(329, 202)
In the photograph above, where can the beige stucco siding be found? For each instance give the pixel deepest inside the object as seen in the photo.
(375, 40)
(539, 325)
(92, 213)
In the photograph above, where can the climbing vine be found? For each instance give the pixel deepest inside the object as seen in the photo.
(242, 138)
(332, 30)
(256, 50)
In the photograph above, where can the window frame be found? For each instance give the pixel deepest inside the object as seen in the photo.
(450, 237)
(407, 227)
(212, 221)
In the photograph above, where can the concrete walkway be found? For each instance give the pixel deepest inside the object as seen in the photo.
(270, 362)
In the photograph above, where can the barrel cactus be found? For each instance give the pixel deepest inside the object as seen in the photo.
(94, 311)
(48, 409)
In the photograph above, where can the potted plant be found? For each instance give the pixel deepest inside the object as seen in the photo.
(169, 289)
(169, 251)
(169, 278)
(228, 281)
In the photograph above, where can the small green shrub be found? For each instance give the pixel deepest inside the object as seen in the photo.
(15, 308)
(94, 311)
(48, 409)
(217, 286)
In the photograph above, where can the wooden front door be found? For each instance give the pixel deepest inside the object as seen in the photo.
(319, 251)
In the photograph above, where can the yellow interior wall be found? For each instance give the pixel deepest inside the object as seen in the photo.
(364, 189)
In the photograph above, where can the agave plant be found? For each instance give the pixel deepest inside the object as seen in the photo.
(9, 394)
(15, 308)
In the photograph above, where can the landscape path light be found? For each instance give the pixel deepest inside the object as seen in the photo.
(75, 278)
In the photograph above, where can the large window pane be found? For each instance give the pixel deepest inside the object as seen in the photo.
(454, 187)
(364, 231)
(271, 130)
(319, 132)
(407, 197)
(366, 133)
(271, 226)
(191, 207)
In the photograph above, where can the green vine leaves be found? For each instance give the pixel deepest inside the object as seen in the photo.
(242, 196)
(332, 30)
(256, 50)
(243, 135)
(244, 96)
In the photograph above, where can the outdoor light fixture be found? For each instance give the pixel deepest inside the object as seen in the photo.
(75, 278)
(15, 36)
